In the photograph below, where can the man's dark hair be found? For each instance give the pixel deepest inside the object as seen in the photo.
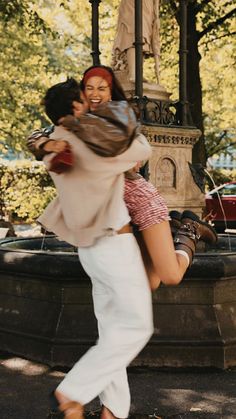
(58, 99)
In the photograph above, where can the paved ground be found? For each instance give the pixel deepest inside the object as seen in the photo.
(175, 394)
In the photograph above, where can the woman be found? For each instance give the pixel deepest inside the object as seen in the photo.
(147, 209)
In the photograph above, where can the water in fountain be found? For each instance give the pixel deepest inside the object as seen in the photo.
(222, 208)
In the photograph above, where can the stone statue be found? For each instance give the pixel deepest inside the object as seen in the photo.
(123, 48)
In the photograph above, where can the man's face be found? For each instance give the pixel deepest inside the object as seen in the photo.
(79, 108)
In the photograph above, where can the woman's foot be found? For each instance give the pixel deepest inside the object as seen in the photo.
(71, 409)
(192, 230)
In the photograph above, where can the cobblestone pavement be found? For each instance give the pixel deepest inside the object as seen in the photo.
(156, 394)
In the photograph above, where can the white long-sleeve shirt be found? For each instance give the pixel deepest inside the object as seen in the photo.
(90, 200)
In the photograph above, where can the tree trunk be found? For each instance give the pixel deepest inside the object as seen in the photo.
(194, 88)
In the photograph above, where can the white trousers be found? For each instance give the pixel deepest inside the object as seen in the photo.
(123, 308)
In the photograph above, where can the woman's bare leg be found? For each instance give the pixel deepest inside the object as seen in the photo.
(153, 277)
(169, 261)
(164, 264)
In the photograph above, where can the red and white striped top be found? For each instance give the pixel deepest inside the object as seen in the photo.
(146, 206)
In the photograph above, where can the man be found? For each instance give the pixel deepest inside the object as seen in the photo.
(90, 213)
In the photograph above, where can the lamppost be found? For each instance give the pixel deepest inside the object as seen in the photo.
(183, 52)
(95, 31)
(138, 48)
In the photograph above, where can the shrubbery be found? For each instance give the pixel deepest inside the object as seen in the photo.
(25, 190)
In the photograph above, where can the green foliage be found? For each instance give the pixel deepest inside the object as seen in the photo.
(219, 97)
(25, 190)
(18, 93)
(33, 56)
(23, 13)
(169, 65)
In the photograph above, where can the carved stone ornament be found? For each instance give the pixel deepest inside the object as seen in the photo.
(170, 139)
(166, 173)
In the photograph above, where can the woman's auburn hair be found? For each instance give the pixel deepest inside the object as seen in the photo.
(117, 92)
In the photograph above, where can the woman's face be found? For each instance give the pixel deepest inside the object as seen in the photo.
(97, 91)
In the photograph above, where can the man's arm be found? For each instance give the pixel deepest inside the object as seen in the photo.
(37, 140)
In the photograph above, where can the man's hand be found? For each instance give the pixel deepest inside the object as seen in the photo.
(56, 146)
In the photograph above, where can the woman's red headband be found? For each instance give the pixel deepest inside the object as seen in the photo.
(98, 72)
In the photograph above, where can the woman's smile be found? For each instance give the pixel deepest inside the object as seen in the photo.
(97, 91)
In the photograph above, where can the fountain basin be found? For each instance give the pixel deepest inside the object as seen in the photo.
(46, 311)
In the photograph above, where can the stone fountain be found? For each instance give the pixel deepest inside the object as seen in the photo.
(46, 311)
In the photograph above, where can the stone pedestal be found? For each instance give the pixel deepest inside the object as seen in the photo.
(151, 90)
(169, 166)
(172, 147)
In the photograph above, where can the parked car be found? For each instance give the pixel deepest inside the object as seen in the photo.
(221, 205)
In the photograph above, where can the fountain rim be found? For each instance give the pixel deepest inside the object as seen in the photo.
(211, 265)
(5, 241)
(53, 253)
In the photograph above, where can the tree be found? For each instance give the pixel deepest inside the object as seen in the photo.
(218, 89)
(208, 20)
(34, 54)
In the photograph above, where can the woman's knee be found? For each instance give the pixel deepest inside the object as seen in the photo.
(169, 276)
(172, 280)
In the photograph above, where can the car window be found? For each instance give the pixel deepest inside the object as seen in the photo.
(229, 190)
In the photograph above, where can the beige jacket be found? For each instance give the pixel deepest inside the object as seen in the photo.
(90, 196)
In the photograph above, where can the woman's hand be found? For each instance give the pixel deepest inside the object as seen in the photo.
(56, 146)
